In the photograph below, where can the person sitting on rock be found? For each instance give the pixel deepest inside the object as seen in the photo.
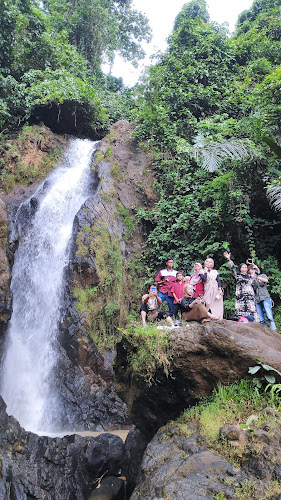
(194, 309)
(177, 291)
(165, 279)
(150, 304)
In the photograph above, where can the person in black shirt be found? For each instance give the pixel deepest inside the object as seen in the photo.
(194, 309)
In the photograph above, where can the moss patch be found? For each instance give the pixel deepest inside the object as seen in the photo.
(104, 306)
(127, 218)
(29, 157)
(115, 170)
(148, 349)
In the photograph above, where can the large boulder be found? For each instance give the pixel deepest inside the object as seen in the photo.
(179, 463)
(203, 356)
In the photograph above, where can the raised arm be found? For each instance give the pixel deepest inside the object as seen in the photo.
(263, 279)
(230, 263)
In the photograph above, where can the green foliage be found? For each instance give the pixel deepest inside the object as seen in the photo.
(228, 405)
(66, 94)
(15, 168)
(268, 374)
(99, 28)
(209, 101)
(148, 349)
(105, 307)
(277, 317)
(191, 10)
(102, 305)
(50, 58)
(115, 170)
(127, 218)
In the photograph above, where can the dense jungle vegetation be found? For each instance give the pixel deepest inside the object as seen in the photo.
(208, 112)
(50, 58)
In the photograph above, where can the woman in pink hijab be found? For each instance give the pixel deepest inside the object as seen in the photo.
(213, 293)
(196, 280)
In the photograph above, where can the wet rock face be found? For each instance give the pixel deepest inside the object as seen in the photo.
(86, 385)
(53, 468)
(175, 466)
(178, 464)
(65, 468)
(86, 375)
(203, 356)
(5, 277)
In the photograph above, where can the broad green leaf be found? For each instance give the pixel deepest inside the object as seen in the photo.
(270, 378)
(267, 367)
(253, 369)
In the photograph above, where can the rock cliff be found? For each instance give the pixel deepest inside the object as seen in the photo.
(105, 248)
(105, 261)
(106, 242)
(179, 464)
(71, 467)
(5, 276)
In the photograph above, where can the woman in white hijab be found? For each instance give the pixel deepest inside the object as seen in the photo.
(213, 293)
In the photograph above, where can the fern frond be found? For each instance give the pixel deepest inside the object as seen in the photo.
(274, 196)
(212, 155)
(275, 171)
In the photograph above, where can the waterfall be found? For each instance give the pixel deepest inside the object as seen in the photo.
(37, 286)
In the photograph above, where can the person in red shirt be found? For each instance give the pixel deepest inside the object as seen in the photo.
(165, 278)
(177, 291)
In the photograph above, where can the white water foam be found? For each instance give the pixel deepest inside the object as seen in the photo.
(37, 287)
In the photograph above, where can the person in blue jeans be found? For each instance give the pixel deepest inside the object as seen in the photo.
(165, 279)
(264, 302)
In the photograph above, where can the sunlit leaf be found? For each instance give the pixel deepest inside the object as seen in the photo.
(253, 369)
(270, 378)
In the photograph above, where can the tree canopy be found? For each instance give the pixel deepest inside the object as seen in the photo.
(42, 42)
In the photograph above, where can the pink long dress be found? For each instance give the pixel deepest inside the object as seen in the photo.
(210, 293)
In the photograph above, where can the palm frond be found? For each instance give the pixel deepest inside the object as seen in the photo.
(274, 196)
(275, 171)
(272, 144)
(212, 155)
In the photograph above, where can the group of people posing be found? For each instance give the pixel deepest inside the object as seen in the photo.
(199, 297)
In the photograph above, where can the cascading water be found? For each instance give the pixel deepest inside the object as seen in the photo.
(37, 286)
